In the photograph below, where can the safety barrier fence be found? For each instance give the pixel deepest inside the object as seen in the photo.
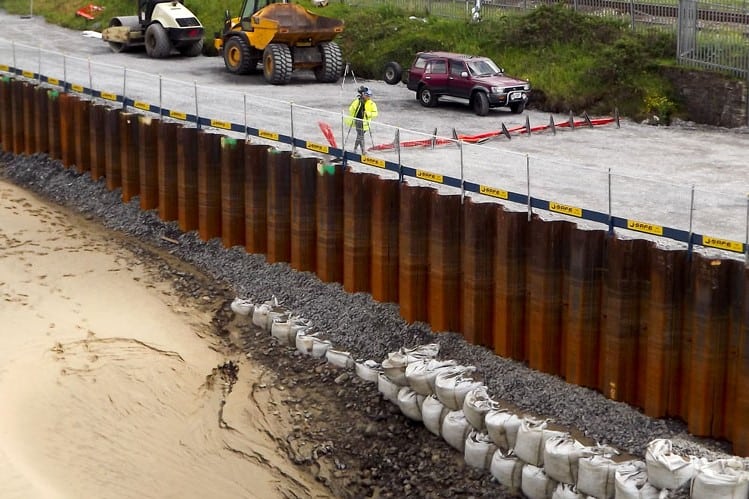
(686, 214)
(662, 329)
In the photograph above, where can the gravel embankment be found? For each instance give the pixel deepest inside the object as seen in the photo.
(355, 322)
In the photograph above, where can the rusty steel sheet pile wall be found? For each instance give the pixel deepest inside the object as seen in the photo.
(329, 214)
(279, 206)
(385, 244)
(581, 313)
(232, 192)
(476, 251)
(444, 270)
(659, 328)
(166, 160)
(357, 231)
(82, 136)
(97, 155)
(303, 214)
(148, 166)
(255, 198)
(187, 178)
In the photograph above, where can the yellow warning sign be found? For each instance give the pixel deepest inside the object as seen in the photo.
(566, 209)
(493, 192)
(724, 244)
(432, 177)
(645, 227)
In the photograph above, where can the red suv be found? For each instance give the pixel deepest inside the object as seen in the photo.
(477, 79)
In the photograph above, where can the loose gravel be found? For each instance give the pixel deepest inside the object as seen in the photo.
(355, 322)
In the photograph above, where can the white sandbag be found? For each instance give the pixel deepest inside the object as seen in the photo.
(394, 367)
(452, 386)
(455, 430)
(410, 403)
(240, 306)
(433, 413)
(479, 450)
(531, 439)
(260, 315)
(281, 331)
(286, 327)
(339, 358)
(667, 470)
(536, 484)
(368, 370)
(561, 456)
(387, 388)
(420, 374)
(507, 469)
(475, 406)
(631, 482)
(721, 479)
(566, 491)
(502, 426)
(312, 344)
(275, 316)
(595, 476)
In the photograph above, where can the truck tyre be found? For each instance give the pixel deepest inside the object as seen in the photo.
(393, 73)
(192, 50)
(237, 56)
(426, 97)
(331, 69)
(480, 103)
(277, 64)
(517, 107)
(158, 45)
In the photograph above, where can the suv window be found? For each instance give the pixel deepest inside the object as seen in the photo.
(457, 67)
(437, 67)
(420, 63)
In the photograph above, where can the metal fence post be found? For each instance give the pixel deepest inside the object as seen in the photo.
(91, 79)
(746, 236)
(197, 113)
(691, 218)
(611, 216)
(161, 97)
(244, 105)
(528, 185)
(39, 68)
(124, 89)
(291, 118)
(462, 178)
(64, 74)
(398, 148)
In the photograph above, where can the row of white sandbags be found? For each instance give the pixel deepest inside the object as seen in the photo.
(521, 453)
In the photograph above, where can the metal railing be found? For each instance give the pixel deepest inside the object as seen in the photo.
(687, 214)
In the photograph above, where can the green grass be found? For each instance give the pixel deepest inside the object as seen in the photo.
(574, 62)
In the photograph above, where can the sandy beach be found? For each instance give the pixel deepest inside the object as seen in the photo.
(109, 381)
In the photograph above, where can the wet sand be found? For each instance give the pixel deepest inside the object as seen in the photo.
(107, 378)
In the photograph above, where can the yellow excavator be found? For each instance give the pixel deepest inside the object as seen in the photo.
(283, 36)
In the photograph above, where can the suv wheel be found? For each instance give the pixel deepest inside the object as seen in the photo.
(480, 103)
(427, 98)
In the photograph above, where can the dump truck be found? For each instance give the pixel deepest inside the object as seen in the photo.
(161, 26)
(285, 37)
